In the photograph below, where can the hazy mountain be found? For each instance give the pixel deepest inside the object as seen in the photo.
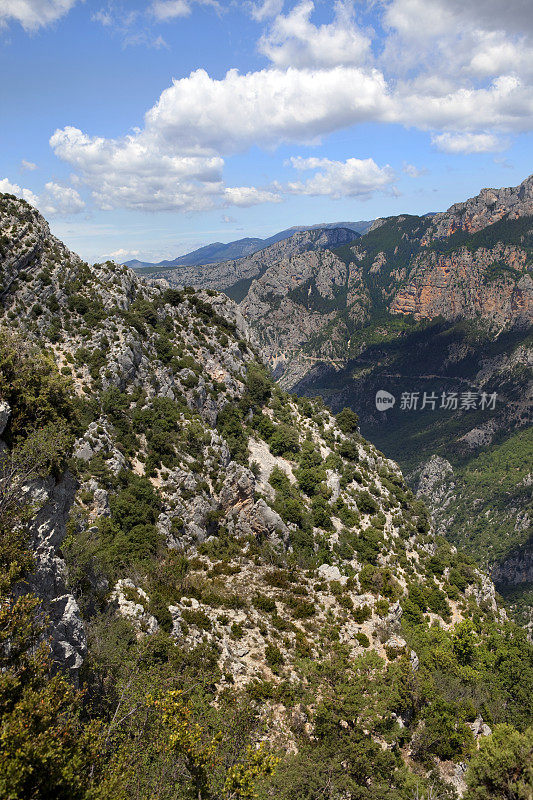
(235, 277)
(213, 253)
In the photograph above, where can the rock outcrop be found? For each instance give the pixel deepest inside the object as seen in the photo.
(235, 276)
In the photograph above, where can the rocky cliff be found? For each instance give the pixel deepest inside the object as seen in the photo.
(486, 208)
(235, 276)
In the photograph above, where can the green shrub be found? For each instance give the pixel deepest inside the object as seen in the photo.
(264, 603)
(198, 617)
(347, 420)
(361, 613)
(273, 656)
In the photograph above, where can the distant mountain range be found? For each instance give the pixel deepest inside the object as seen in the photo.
(217, 252)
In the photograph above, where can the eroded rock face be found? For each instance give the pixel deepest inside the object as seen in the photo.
(52, 501)
(132, 602)
(466, 284)
(489, 206)
(47, 532)
(227, 273)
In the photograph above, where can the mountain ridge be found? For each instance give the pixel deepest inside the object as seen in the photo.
(240, 248)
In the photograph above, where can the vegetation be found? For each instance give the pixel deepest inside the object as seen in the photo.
(241, 661)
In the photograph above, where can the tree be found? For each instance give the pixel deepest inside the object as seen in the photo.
(201, 753)
(502, 769)
(47, 754)
(347, 420)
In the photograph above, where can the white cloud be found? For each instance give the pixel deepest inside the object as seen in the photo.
(27, 166)
(170, 9)
(467, 143)
(245, 196)
(165, 10)
(351, 178)
(33, 14)
(506, 104)
(293, 40)
(134, 173)
(13, 188)
(474, 40)
(58, 200)
(266, 9)
(264, 108)
(55, 200)
(122, 254)
(414, 172)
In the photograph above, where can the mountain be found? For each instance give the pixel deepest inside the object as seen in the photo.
(436, 304)
(235, 277)
(250, 598)
(214, 253)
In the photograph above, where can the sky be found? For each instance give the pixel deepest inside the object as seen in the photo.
(147, 128)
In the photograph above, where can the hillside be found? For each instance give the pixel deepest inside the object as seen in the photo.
(217, 252)
(235, 277)
(252, 600)
(440, 305)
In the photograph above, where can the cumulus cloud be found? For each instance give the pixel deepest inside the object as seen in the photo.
(351, 178)
(34, 14)
(13, 188)
(267, 107)
(478, 39)
(55, 200)
(135, 173)
(293, 40)
(467, 143)
(27, 166)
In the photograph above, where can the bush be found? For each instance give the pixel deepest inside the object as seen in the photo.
(284, 440)
(258, 383)
(502, 769)
(264, 603)
(347, 420)
(198, 617)
(361, 613)
(321, 513)
(273, 656)
(366, 503)
(349, 450)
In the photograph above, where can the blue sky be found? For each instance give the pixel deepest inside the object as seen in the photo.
(147, 128)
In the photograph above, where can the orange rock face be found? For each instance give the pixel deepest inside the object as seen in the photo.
(492, 285)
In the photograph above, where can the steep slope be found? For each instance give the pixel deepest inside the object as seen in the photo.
(434, 306)
(235, 277)
(445, 266)
(240, 548)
